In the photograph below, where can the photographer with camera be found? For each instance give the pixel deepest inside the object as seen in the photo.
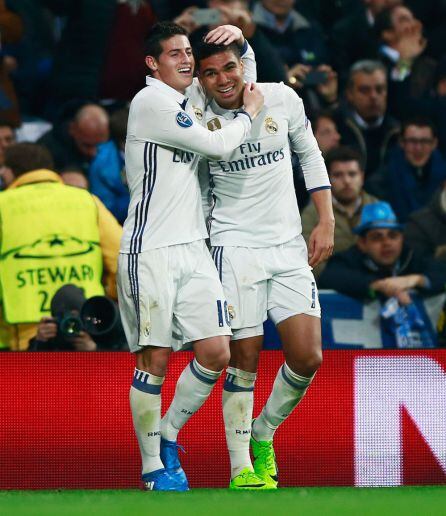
(52, 234)
(78, 324)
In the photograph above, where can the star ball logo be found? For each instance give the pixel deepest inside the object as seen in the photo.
(183, 119)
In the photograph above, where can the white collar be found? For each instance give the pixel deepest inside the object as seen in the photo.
(365, 125)
(390, 52)
(162, 86)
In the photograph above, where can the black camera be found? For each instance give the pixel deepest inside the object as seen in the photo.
(98, 316)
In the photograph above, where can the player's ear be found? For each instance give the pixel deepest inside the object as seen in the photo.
(151, 63)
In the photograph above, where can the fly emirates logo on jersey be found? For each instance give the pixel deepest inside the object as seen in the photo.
(251, 157)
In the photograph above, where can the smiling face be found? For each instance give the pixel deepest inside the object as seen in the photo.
(221, 75)
(175, 64)
(418, 143)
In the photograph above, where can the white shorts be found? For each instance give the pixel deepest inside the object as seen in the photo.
(274, 282)
(170, 297)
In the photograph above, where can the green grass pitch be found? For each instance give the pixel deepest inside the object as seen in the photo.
(426, 501)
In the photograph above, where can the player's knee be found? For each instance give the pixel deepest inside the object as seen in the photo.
(245, 359)
(306, 365)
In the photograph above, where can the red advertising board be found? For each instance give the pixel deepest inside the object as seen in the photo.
(370, 418)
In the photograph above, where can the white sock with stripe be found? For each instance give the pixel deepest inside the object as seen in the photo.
(288, 389)
(193, 388)
(145, 403)
(238, 401)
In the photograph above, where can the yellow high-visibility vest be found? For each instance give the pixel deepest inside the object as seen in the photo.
(49, 237)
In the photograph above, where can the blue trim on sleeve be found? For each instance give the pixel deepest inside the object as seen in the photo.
(244, 48)
(243, 112)
(319, 188)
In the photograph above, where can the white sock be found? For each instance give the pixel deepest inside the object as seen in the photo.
(145, 403)
(193, 388)
(288, 389)
(238, 401)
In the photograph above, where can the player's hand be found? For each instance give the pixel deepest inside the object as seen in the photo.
(83, 342)
(320, 245)
(252, 99)
(225, 35)
(46, 329)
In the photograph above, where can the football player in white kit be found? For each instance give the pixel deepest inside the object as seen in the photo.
(262, 258)
(167, 282)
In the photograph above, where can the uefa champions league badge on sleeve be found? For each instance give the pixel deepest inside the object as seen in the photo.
(183, 119)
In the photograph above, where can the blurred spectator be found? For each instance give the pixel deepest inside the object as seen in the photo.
(354, 37)
(107, 172)
(301, 45)
(347, 180)
(325, 131)
(100, 53)
(74, 144)
(7, 138)
(414, 170)
(298, 39)
(381, 265)
(364, 123)
(34, 55)
(52, 234)
(326, 12)
(11, 30)
(425, 230)
(410, 73)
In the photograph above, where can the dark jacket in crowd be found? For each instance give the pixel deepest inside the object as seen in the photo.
(425, 230)
(406, 187)
(353, 39)
(351, 272)
(373, 144)
(302, 42)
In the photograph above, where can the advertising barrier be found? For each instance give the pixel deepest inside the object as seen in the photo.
(371, 418)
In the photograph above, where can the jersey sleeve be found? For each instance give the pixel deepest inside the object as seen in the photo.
(249, 62)
(304, 144)
(162, 121)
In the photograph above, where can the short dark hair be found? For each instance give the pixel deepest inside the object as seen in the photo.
(204, 50)
(25, 157)
(315, 119)
(342, 153)
(419, 121)
(160, 32)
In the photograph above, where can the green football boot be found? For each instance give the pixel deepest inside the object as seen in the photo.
(247, 480)
(265, 464)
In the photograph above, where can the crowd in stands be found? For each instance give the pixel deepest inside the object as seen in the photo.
(371, 73)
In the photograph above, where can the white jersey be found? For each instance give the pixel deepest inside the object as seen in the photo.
(252, 189)
(165, 139)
